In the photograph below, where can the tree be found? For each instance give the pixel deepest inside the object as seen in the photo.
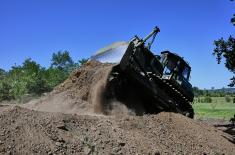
(227, 99)
(55, 76)
(233, 20)
(226, 49)
(29, 78)
(197, 92)
(82, 61)
(35, 74)
(5, 90)
(207, 99)
(2, 74)
(61, 65)
(61, 60)
(32, 79)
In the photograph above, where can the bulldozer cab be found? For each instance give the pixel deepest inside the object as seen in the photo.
(175, 68)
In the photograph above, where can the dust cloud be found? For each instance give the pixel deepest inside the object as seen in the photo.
(83, 93)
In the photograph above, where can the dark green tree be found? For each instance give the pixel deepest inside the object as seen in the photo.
(35, 77)
(2, 74)
(28, 78)
(82, 61)
(5, 89)
(55, 76)
(61, 65)
(226, 49)
(61, 60)
(227, 99)
(197, 92)
(207, 99)
(233, 20)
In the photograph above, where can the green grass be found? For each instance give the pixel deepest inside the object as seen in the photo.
(218, 109)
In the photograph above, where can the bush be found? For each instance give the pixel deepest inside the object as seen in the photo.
(5, 93)
(227, 99)
(234, 100)
(207, 99)
(30, 79)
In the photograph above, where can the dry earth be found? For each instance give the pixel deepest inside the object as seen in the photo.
(69, 121)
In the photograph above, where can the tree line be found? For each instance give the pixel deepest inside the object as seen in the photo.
(205, 96)
(212, 92)
(32, 79)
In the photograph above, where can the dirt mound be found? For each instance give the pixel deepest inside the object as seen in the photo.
(82, 93)
(79, 94)
(67, 121)
(25, 131)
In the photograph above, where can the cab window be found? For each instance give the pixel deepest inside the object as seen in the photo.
(185, 73)
(169, 67)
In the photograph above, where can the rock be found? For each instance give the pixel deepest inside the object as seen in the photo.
(9, 153)
(61, 140)
(156, 153)
(122, 143)
(58, 144)
(62, 127)
(87, 150)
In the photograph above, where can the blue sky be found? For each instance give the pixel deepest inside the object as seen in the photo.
(37, 28)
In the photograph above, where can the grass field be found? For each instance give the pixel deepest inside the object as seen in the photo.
(218, 109)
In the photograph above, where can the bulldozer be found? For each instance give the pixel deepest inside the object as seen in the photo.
(157, 82)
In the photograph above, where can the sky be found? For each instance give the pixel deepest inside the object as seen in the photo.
(37, 28)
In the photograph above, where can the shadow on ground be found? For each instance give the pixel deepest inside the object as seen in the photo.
(229, 129)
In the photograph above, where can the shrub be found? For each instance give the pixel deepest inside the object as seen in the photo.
(227, 99)
(207, 99)
(30, 79)
(5, 93)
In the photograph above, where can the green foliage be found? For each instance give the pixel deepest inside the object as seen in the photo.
(197, 92)
(226, 49)
(30, 79)
(61, 60)
(26, 79)
(55, 76)
(227, 99)
(212, 93)
(233, 20)
(200, 100)
(2, 74)
(234, 100)
(82, 61)
(207, 99)
(61, 65)
(34, 77)
(5, 90)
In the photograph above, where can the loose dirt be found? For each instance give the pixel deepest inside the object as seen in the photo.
(79, 94)
(69, 120)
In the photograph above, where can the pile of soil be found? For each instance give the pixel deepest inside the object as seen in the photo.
(25, 131)
(79, 94)
(68, 121)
